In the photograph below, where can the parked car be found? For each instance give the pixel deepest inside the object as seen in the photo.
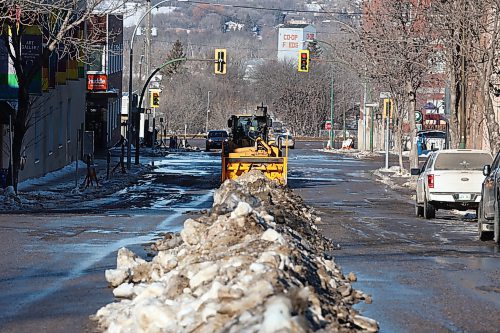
(488, 218)
(284, 140)
(450, 179)
(215, 139)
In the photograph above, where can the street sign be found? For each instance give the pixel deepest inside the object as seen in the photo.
(88, 143)
(328, 125)
(418, 116)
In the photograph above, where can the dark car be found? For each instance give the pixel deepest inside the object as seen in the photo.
(488, 214)
(215, 139)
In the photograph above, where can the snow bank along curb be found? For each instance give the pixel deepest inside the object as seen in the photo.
(57, 189)
(255, 263)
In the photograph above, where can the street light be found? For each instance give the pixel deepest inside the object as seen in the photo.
(130, 78)
(331, 89)
(208, 111)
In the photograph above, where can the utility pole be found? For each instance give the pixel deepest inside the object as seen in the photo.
(364, 115)
(331, 110)
(130, 85)
(148, 66)
(463, 127)
(388, 114)
(463, 85)
(208, 111)
(371, 131)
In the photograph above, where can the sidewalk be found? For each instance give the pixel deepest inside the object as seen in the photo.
(62, 187)
(393, 177)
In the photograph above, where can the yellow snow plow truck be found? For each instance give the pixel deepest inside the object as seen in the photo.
(250, 147)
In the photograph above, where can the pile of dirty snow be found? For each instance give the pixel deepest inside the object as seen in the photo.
(394, 177)
(254, 263)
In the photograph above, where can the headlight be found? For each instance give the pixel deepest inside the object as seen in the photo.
(226, 140)
(209, 140)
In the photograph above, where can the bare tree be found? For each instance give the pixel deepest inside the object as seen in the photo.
(62, 24)
(399, 46)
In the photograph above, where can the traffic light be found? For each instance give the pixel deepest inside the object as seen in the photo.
(388, 107)
(220, 61)
(303, 61)
(155, 98)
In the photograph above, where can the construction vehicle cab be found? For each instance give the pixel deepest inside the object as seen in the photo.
(249, 147)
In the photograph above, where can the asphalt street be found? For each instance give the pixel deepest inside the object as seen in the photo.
(424, 276)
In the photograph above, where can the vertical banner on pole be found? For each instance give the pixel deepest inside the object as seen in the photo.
(31, 51)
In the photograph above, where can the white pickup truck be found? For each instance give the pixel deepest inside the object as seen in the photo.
(450, 179)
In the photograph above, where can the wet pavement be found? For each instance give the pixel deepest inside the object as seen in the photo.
(424, 276)
(53, 264)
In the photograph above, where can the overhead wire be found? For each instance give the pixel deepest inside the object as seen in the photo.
(275, 9)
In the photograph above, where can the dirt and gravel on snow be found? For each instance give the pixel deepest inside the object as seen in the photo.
(57, 190)
(255, 263)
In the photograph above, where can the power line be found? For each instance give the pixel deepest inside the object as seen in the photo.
(276, 9)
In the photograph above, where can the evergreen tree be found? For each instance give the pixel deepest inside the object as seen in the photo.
(176, 52)
(248, 22)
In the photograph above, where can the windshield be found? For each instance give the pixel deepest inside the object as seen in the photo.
(427, 135)
(462, 161)
(218, 134)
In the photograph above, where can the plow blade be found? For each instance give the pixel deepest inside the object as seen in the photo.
(275, 168)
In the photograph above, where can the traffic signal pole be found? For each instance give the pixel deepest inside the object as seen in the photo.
(331, 110)
(130, 86)
(141, 99)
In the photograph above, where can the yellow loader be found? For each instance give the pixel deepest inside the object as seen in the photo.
(250, 147)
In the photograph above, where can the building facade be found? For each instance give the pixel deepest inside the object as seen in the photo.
(292, 38)
(63, 100)
(104, 85)
(57, 97)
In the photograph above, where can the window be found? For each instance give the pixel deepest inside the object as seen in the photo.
(50, 128)
(462, 161)
(68, 121)
(60, 125)
(96, 60)
(37, 138)
(118, 112)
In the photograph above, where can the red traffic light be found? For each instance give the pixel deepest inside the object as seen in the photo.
(303, 63)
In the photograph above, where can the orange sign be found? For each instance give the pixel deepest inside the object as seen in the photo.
(97, 82)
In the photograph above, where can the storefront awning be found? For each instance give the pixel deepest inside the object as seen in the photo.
(103, 94)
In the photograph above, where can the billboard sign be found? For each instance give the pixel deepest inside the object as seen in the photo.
(293, 38)
(97, 82)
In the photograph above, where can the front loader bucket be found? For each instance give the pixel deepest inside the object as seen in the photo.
(275, 168)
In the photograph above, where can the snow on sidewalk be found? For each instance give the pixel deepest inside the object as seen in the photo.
(57, 189)
(255, 263)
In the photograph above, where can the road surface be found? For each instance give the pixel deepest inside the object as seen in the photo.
(424, 276)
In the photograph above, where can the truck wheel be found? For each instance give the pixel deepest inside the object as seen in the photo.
(429, 210)
(496, 225)
(419, 210)
(483, 235)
